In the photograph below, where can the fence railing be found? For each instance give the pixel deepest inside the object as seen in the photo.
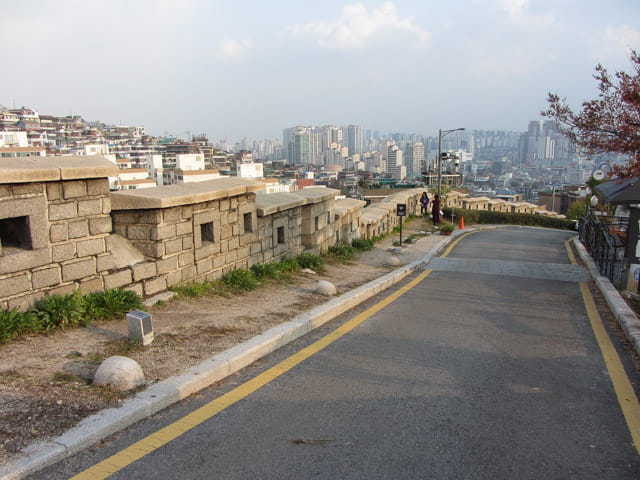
(605, 239)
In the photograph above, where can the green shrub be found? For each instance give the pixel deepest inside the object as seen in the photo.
(194, 289)
(61, 311)
(111, 303)
(362, 244)
(309, 260)
(341, 252)
(267, 270)
(241, 280)
(504, 218)
(290, 265)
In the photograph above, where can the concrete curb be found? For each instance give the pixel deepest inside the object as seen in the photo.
(625, 317)
(107, 422)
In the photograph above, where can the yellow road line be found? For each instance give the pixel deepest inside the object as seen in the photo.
(163, 436)
(621, 385)
(455, 242)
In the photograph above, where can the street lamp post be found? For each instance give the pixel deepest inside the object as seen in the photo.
(442, 133)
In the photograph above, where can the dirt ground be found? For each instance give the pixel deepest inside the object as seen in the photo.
(45, 380)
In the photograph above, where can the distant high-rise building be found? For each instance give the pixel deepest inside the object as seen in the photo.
(414, 158)
(352, 137)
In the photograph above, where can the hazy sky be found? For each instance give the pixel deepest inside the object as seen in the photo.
(237, 67)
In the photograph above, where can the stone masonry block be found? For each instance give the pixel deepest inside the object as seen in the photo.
(184, 228)
(77, 269)
(5, 191)
(74, 189)
(60, 253)
(233, 203)
(219, 261)
(14, 284)
(22, 302)
(105, 262)
(231, 257)
(138, 232)
(94, 246)
(136, 288)
(45, 277)
(243, 252)
(174, 278)
(58, 232)
(204, 266)
(186, 258)
(188, 273)
(106, 206)
(89, 207)
(142, 271)
(62, 289)
(151, 287)
(167, 265)
(98, 186)
(28, 189)
(63, 211)
(187, 212)
(173, 246)
(153, 250)
(170, 215)
(54, 191)
(224, 205)
(100, 225)
(152, 217)
(118, 279)
(92, 285)
(225, 232)
(187, 242)
(234, 243)
(78, 229)
(163, 232)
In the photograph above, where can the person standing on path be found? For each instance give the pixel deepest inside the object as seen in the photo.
(424, 204)
(435, 209)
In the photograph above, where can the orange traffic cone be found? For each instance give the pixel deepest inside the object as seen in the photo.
(461, 223)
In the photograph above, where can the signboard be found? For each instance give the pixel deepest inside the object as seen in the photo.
(401, 209)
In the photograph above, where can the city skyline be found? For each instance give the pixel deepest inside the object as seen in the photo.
(254, 69)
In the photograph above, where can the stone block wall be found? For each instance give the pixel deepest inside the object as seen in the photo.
(348, 219)
(54, 227)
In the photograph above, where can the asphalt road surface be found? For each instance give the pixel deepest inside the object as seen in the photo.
(486, 367)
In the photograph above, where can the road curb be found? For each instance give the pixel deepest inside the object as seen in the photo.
(156, 397)
(625, 317)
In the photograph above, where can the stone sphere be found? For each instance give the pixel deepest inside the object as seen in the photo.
(325, 288)
(121, 373)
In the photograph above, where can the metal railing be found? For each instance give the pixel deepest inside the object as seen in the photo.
(605, 239)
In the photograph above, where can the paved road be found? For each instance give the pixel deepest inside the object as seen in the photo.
(487, 368)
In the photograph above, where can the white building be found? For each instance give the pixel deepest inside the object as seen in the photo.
(13, 139)
(250, 170)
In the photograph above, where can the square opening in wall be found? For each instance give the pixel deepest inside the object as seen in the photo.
(248, 227)
(280, 234)
(15, 234)
(317, 223)
(206, 232)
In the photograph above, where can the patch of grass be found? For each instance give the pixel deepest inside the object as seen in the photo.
(66, 377)
(195, 289)
(241, 280)
(61, 311)
(314, 262)
(342, 253)
(362, 244)
(111, 303)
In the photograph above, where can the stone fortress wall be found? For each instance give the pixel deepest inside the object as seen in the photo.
(62, 230)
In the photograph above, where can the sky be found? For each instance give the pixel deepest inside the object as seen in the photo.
(236, 68)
